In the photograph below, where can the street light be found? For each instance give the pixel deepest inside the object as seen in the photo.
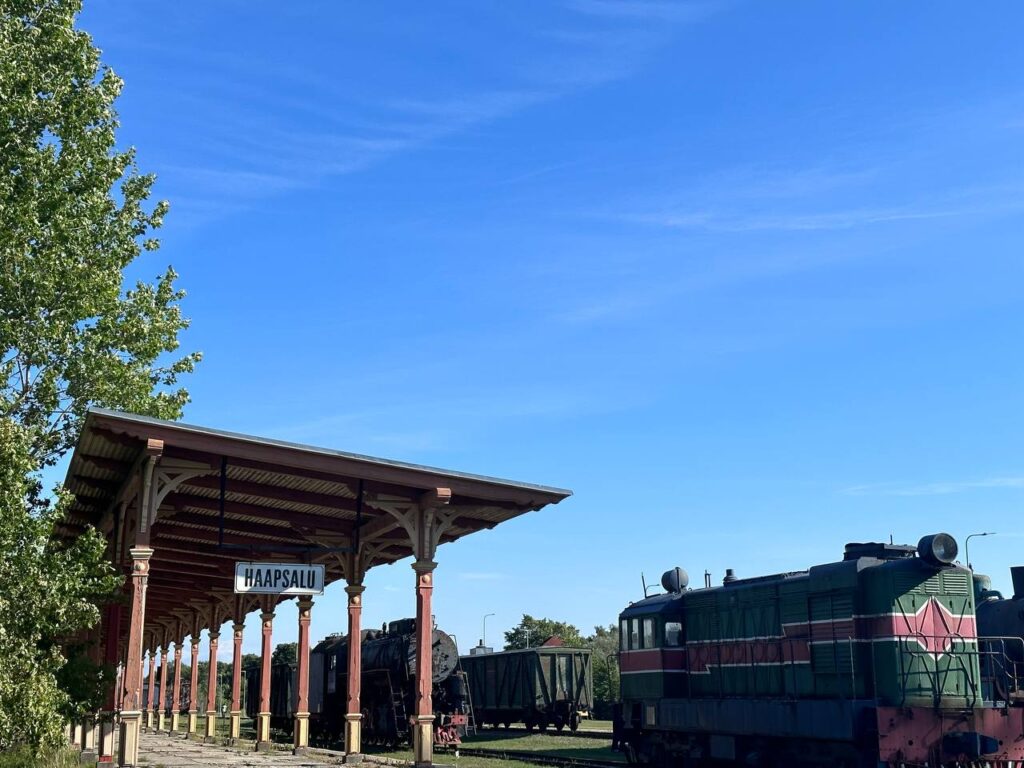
(967, 551)
(527, 631)
(483, 638)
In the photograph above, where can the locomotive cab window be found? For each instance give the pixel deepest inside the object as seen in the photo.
(648, 638)
(634, 634)
(673, 634)
(624, 634)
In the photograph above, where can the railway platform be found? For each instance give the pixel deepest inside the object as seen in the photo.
(159, 750)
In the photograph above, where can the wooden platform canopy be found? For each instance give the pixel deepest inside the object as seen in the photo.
(190, 501)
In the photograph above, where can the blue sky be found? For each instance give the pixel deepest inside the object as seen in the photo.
(747, 277)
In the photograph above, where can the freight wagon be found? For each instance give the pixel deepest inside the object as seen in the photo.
(541, 687)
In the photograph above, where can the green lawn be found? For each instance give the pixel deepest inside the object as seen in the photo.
(562, 746)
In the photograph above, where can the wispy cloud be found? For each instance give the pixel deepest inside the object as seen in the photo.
(645, 10)
(944, 488)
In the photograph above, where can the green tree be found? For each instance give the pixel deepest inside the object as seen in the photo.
(74, 214)
(50, 592)
(605, 645)
(531, 632)
(285, 653)
(251, 660)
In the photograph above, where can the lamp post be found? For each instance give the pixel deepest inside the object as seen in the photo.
(527, 631)
(967, 551)
(483, 635)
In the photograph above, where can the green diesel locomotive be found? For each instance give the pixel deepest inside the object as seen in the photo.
(870, 661)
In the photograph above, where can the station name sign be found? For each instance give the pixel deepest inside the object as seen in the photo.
(279, 579)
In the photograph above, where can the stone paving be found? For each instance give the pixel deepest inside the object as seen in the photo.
(158, 750)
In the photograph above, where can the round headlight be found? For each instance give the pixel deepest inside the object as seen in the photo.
(938, 549)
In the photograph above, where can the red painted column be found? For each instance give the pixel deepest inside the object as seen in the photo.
(211, 689)
(263, 717)
(131, 714)
(301, 729)
(193, 695)
(161, 704)
(151, 693)
(353, 714)
(176, 693)
(423, 734)
(236, 681)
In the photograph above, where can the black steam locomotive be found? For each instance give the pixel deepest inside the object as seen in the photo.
(388, 687)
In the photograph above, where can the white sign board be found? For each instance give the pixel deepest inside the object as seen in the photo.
(279, 579)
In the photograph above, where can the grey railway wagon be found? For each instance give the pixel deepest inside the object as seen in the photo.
(540, 687)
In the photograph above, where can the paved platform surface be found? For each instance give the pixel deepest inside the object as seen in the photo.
(159, 750)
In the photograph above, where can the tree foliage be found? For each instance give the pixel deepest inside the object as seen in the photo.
(50, 592)
(73, 216)
(605, 645)
(285, 653)
(531, 632)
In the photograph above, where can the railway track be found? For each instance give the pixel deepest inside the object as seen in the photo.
(537, 758)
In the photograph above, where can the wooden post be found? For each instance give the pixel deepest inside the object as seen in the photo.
(211, 689)
(161, 704)
(423, 731)
(151, 693)
(131, 714)
(193, 690)
(176, 694)
(301, 730)
(353, 715)
(236, 681)
(263, 717)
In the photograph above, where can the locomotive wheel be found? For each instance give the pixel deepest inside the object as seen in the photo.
(560, 726)
(574, 722)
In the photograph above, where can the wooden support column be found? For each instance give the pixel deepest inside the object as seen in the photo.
(211, 688)
(353, 715)
(423, 731)
(131, 713)
(301, 730)
(161, 718)
(236, 681)
(151, 692)
(176, 693)
(193, 690)
(263, 716)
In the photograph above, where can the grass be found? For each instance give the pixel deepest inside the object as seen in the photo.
(578, 747)
(563, 746)
(25, 758)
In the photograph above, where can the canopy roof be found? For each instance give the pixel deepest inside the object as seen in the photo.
(221, 497)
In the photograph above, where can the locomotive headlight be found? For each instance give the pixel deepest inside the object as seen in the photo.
(938, 549)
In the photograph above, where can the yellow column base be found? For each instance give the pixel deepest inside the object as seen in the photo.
(150, 718)
(301, 730)
(106, 739)
(175, 721)
(263, 731)
(161, 721)
(353, 735)
(211, 725)
(128, 748)
(193, 722)
(423, 740)
(236, 724)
